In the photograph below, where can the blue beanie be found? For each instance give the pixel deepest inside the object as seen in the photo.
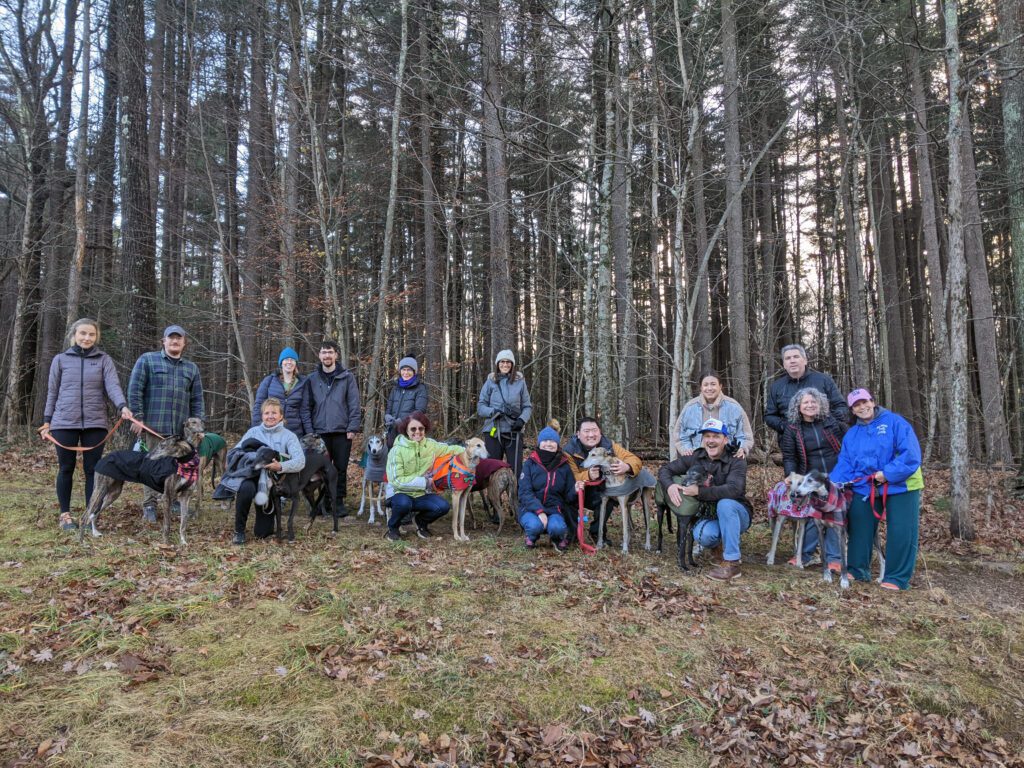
(548, 433)
(287, 352)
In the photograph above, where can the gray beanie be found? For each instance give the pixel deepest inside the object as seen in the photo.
(409, 362)
(505, 354)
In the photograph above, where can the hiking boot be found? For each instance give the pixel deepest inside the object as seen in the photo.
(67, 523)
(238, 539)
(392, 534)
(149, 513)
(423, 532)
(530, 543)
(727, 571)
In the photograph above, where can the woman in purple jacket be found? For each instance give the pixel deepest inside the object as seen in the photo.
(82, 379)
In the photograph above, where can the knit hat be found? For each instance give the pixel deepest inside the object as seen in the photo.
(548, 433)
(409, 362)
(287, 352)
(505, 354)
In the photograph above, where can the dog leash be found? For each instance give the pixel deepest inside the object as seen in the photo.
(587, 549)
(111, 431)
(871, 496)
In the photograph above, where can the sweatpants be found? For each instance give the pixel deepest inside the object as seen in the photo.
(902, 514)
(263, 525)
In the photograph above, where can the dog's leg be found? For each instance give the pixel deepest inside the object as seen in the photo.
(627, 523)
(686, 525)
(661, 510)
(455, 516)
(680, 545)
(600, 523)
(362, 503)
(775, 539)
(826, 574)
(844, 577)
(647, 498)
(185, 497)
(105, 493)
(881, 559)
(168, 500)
(798, 542)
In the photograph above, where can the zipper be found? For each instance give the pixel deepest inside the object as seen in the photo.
(81, 390)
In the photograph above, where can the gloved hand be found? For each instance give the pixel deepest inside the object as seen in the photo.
(518, 424)
(388, 419)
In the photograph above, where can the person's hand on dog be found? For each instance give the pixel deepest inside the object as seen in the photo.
(350, 435)
(388, 419)
(618, 466)
(674, 494)
(543, 520)
(741, 453)
(274, 466)
(429, 477)
(690, 490)
(686, 452)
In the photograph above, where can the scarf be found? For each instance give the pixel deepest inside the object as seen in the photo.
(410, 383)
(549, 459)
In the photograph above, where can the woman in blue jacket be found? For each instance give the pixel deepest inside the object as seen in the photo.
(286, 386)
(546, 490)
(881, 456)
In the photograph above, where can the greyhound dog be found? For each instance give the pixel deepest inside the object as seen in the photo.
(317, 481)
(624, 490)
(826, 504)
(497, 488)
(173, 467)
(684, 534)
(456, 472)
(373, 478)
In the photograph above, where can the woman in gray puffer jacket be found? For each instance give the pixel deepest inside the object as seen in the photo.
(82, 379)
(505, 406)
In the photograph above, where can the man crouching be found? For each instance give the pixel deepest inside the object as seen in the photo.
(720, 479)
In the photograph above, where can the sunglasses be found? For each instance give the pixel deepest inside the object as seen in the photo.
(417, 429)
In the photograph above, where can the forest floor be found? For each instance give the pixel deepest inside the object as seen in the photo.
(350, 650)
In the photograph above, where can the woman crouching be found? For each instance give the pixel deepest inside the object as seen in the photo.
(546, 489)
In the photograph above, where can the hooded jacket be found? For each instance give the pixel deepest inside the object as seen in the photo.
(886, 443)
(576, 452)
(546, 490)
(80, 383)
(408, 462)
(404, 400)
(330, 402)
(498, 392)
(273, 386)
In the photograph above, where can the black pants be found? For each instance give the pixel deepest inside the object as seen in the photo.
(508, 447)
(66, 461)
(339, 447)
(263, 525)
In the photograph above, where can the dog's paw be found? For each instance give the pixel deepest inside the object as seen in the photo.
(844, 582)
(827, 577)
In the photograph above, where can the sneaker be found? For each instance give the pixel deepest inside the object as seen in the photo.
(530, 543)
(149, 513)
(238, 539)
(423, 532)
(727, 571)
(835, 567)
(392, 535)
(813, 560)
(890, 586)
(67, 523)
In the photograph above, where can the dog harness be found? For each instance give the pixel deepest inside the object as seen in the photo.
(450, 474)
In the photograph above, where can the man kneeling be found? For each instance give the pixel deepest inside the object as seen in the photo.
(722, 482)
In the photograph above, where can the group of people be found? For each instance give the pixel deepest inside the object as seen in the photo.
(878, 449)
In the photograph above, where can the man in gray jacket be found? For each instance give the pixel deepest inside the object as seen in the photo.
(330, 408)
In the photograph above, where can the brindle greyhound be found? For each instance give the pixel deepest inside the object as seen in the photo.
(177, 486)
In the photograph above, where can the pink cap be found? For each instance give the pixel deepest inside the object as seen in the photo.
(857, 395)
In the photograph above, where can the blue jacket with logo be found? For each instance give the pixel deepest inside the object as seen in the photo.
(886, 443)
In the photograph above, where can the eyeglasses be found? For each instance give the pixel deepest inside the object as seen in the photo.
(417, 429)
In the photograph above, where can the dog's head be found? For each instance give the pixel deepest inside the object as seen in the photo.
(264, 456)
(694, 476)
(312, 444)
(175, 447)
(376, 446)
(475, 448)
(598, 457)
(192, 431)
(814, 484)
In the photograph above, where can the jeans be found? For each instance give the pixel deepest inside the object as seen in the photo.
(534, 528)
(426, 509)
(832, 553)
(733, 519)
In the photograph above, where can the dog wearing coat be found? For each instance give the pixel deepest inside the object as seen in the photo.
(456, 472)
(171, 467)
(374, 478)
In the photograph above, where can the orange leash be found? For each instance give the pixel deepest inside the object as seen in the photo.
(113, 429)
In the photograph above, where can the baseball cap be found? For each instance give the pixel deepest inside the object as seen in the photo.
(857, 395)
(714, 425)
(172, 329)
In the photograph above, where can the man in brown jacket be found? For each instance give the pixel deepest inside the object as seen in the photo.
(588, 435)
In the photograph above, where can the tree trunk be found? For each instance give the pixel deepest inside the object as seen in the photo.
(433, 282)
(81, 174)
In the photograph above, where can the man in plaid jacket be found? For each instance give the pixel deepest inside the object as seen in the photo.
(164, 390)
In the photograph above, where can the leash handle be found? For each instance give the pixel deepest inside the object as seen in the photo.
(871, 496)
(587, 549)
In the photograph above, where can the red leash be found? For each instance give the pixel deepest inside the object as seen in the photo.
(581, 519)
(871, 496)
(113, 429)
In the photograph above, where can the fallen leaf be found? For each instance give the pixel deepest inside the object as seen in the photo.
(420, 714)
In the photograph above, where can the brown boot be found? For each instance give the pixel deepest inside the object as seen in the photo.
(727, 571)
